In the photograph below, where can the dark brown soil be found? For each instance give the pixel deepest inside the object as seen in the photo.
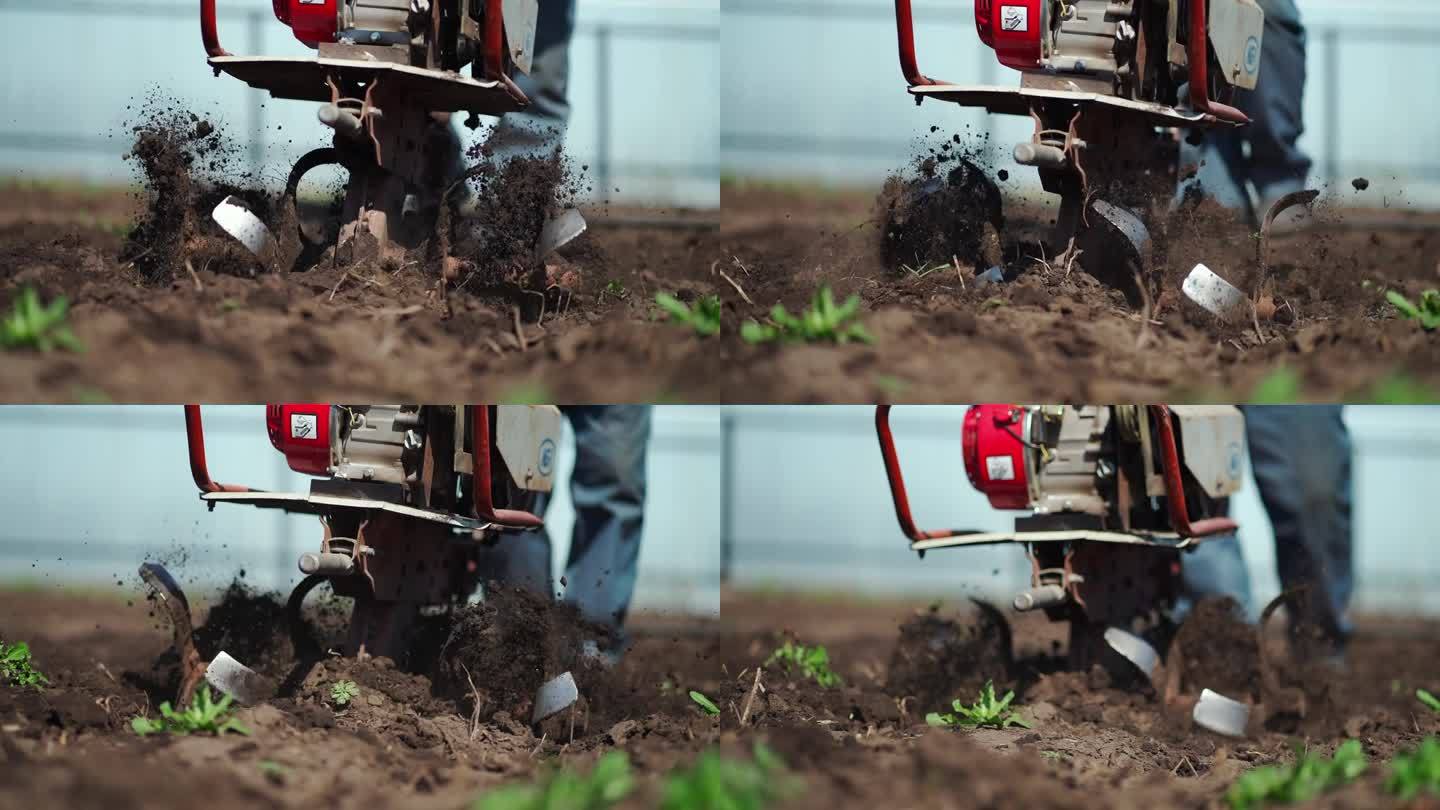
(865, 743)
(400, 743)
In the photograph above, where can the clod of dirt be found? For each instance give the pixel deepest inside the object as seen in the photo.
(1220, 651)
(1360, 183)
(513, 198)
(938, 659)
(931, 218)
(250, 626)
(187, 168)
(500, 651)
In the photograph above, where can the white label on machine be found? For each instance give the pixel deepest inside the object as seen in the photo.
(1015, 18)
(302, 425)
(1000, 468)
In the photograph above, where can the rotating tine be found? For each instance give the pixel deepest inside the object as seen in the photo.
(177, 608)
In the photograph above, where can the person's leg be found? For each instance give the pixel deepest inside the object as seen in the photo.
(1277, 166)
(1301, 458)
(608, 490)
(1215, 568)
(1221, 171)
(540, 128)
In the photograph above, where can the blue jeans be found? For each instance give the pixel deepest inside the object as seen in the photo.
(607, 488)
(541, 127)
(1275, 165)
(1301, 458)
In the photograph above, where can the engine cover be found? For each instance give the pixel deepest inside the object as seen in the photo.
(313, 21)
(1013, 28)
(995, 455)
(305, 434)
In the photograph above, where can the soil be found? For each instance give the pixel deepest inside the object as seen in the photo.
(403, 741)
(175, 310)
(865, 743)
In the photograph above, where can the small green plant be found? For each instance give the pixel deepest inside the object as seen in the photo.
(32, 325)
(16, 667)
(606, 784)
(1426, 312)
(985, 712)
(706, 704)
(342, 692)
(811, 662)
(704, 317)
(1415, 772)
(205, 716)
(1304, 779)
(715, 782)
(1428, 699)
(1280, 387)
(615, 290)
(823, 321)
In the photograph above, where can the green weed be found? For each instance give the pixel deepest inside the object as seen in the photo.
(983, 713)
(706, 704)
(824, 321)
(1428, 699)
(32, 325)
(17, 669)
(606, 784)
(1426, 312)
(1416, 771)
(342, 692)
(1302, 780)
(704, 317)
(205, 716)
(714, 782)
(811, 662)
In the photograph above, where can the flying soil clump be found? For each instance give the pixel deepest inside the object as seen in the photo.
(944, 208)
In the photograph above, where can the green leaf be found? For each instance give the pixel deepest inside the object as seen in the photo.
(673, 305)
(705, 703)
(1428, 699)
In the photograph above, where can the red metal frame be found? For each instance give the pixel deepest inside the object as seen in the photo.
(905, 32)
(897, 483)
(1198, 55)
(494, 39)
(195, 438)
(1175, 485)
(207, 30)
(480, 479)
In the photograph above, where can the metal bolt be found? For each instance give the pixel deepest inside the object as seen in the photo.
(374, 36)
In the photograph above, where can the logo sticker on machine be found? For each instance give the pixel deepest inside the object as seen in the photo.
(1015, 18)
(547, 457)
(1000, 468)
(302, 425)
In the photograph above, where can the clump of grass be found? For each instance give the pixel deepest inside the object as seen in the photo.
(987, 712)
(1415, 772)
(1279, 387)
(204, 716)
(1307, 777)
(811, 662)
(703, 317)
(715, 782)
(16, 667)
(824, 321)
(615, 290)
(32, 325)
(342, 692)
(607, 783)
(706, 704)
(1426, 312)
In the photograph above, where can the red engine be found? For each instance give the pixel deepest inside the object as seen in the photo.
(992, 444)
(303, 432)
(1013, 28)
(313, 21)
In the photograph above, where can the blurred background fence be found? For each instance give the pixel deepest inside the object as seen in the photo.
(805, 504)
(88, 493)
(812, 91)
(643, 85)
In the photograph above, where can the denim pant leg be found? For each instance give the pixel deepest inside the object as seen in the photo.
(608, 490)
(540, 128)
(1301, 458)
(1215, 568)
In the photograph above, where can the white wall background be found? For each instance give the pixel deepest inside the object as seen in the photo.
(809, 507)
(812, 90)
(88, 493)
(66, 84)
